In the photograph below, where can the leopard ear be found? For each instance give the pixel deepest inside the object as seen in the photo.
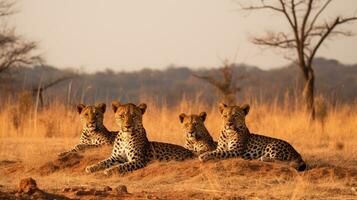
(80, 108)
(102, 107)
(115, 105)
(182, 117)
(142, 107)
(221, 107)
(203, 116)
(245, 108)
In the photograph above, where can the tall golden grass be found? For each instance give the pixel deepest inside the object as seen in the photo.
(285, 120)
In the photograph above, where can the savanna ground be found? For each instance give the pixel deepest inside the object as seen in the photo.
(29, 143)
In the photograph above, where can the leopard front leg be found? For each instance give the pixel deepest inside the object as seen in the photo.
(105, 164)
(126, 167)
(221, 147)
(77, 148)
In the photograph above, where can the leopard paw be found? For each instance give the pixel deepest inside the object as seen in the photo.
(62, 154)
(204, 157)
(109, 172)
(91, 169)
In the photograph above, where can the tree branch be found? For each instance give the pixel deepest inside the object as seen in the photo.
(306, 17)
(14, 50)
(7, 8)
(209, 79)
(288, 18)
(55, 82)
(312, 23)
(329, 29)
(280, 40)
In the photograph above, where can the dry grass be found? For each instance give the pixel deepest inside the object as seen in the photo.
(286, 121)
(35, 138)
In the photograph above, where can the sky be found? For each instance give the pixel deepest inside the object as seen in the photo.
(131, 34)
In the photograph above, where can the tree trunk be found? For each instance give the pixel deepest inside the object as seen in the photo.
(308, 92)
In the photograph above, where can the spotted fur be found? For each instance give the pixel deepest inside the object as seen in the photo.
(94, 133)
(236, 141)
(198, 140)
(132, 149)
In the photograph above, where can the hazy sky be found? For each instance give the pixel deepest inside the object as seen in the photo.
(133, 34)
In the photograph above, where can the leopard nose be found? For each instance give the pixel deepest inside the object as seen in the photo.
(230, 123)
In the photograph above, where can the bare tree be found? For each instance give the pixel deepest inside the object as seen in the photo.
(227, 86)
(307, 33)
(14, 50)
(38, 91)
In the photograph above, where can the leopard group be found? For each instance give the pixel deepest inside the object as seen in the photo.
(131, 149)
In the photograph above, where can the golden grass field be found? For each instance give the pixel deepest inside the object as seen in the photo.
(29, 143)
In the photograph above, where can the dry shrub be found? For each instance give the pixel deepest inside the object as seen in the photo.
(25, 104)
(321, 111)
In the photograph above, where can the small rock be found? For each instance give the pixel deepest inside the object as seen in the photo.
(83, 192)
(76, 188)
(121, 189)
(66, 189)
(98, 193)
(339, 145)
(107, 189)
(92, 190)
(27, 185)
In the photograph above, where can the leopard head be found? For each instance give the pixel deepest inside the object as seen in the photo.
(193, 125)
(91, 116)
(128, 117)
(233, 117)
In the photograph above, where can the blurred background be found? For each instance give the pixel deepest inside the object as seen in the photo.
(134, 49)
(170, 53)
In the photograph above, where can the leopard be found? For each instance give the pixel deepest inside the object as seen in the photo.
(132, 149)
(197, 138)
(236, 141)
(94, 134)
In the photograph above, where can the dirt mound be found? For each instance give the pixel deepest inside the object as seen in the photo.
(67, 161)
(11, 166)
(72, 162)
(191, 179)
(76, 163)
(331, 172)
(231, 167)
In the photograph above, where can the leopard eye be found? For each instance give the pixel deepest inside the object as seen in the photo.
(86, 114)
(121, 116)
